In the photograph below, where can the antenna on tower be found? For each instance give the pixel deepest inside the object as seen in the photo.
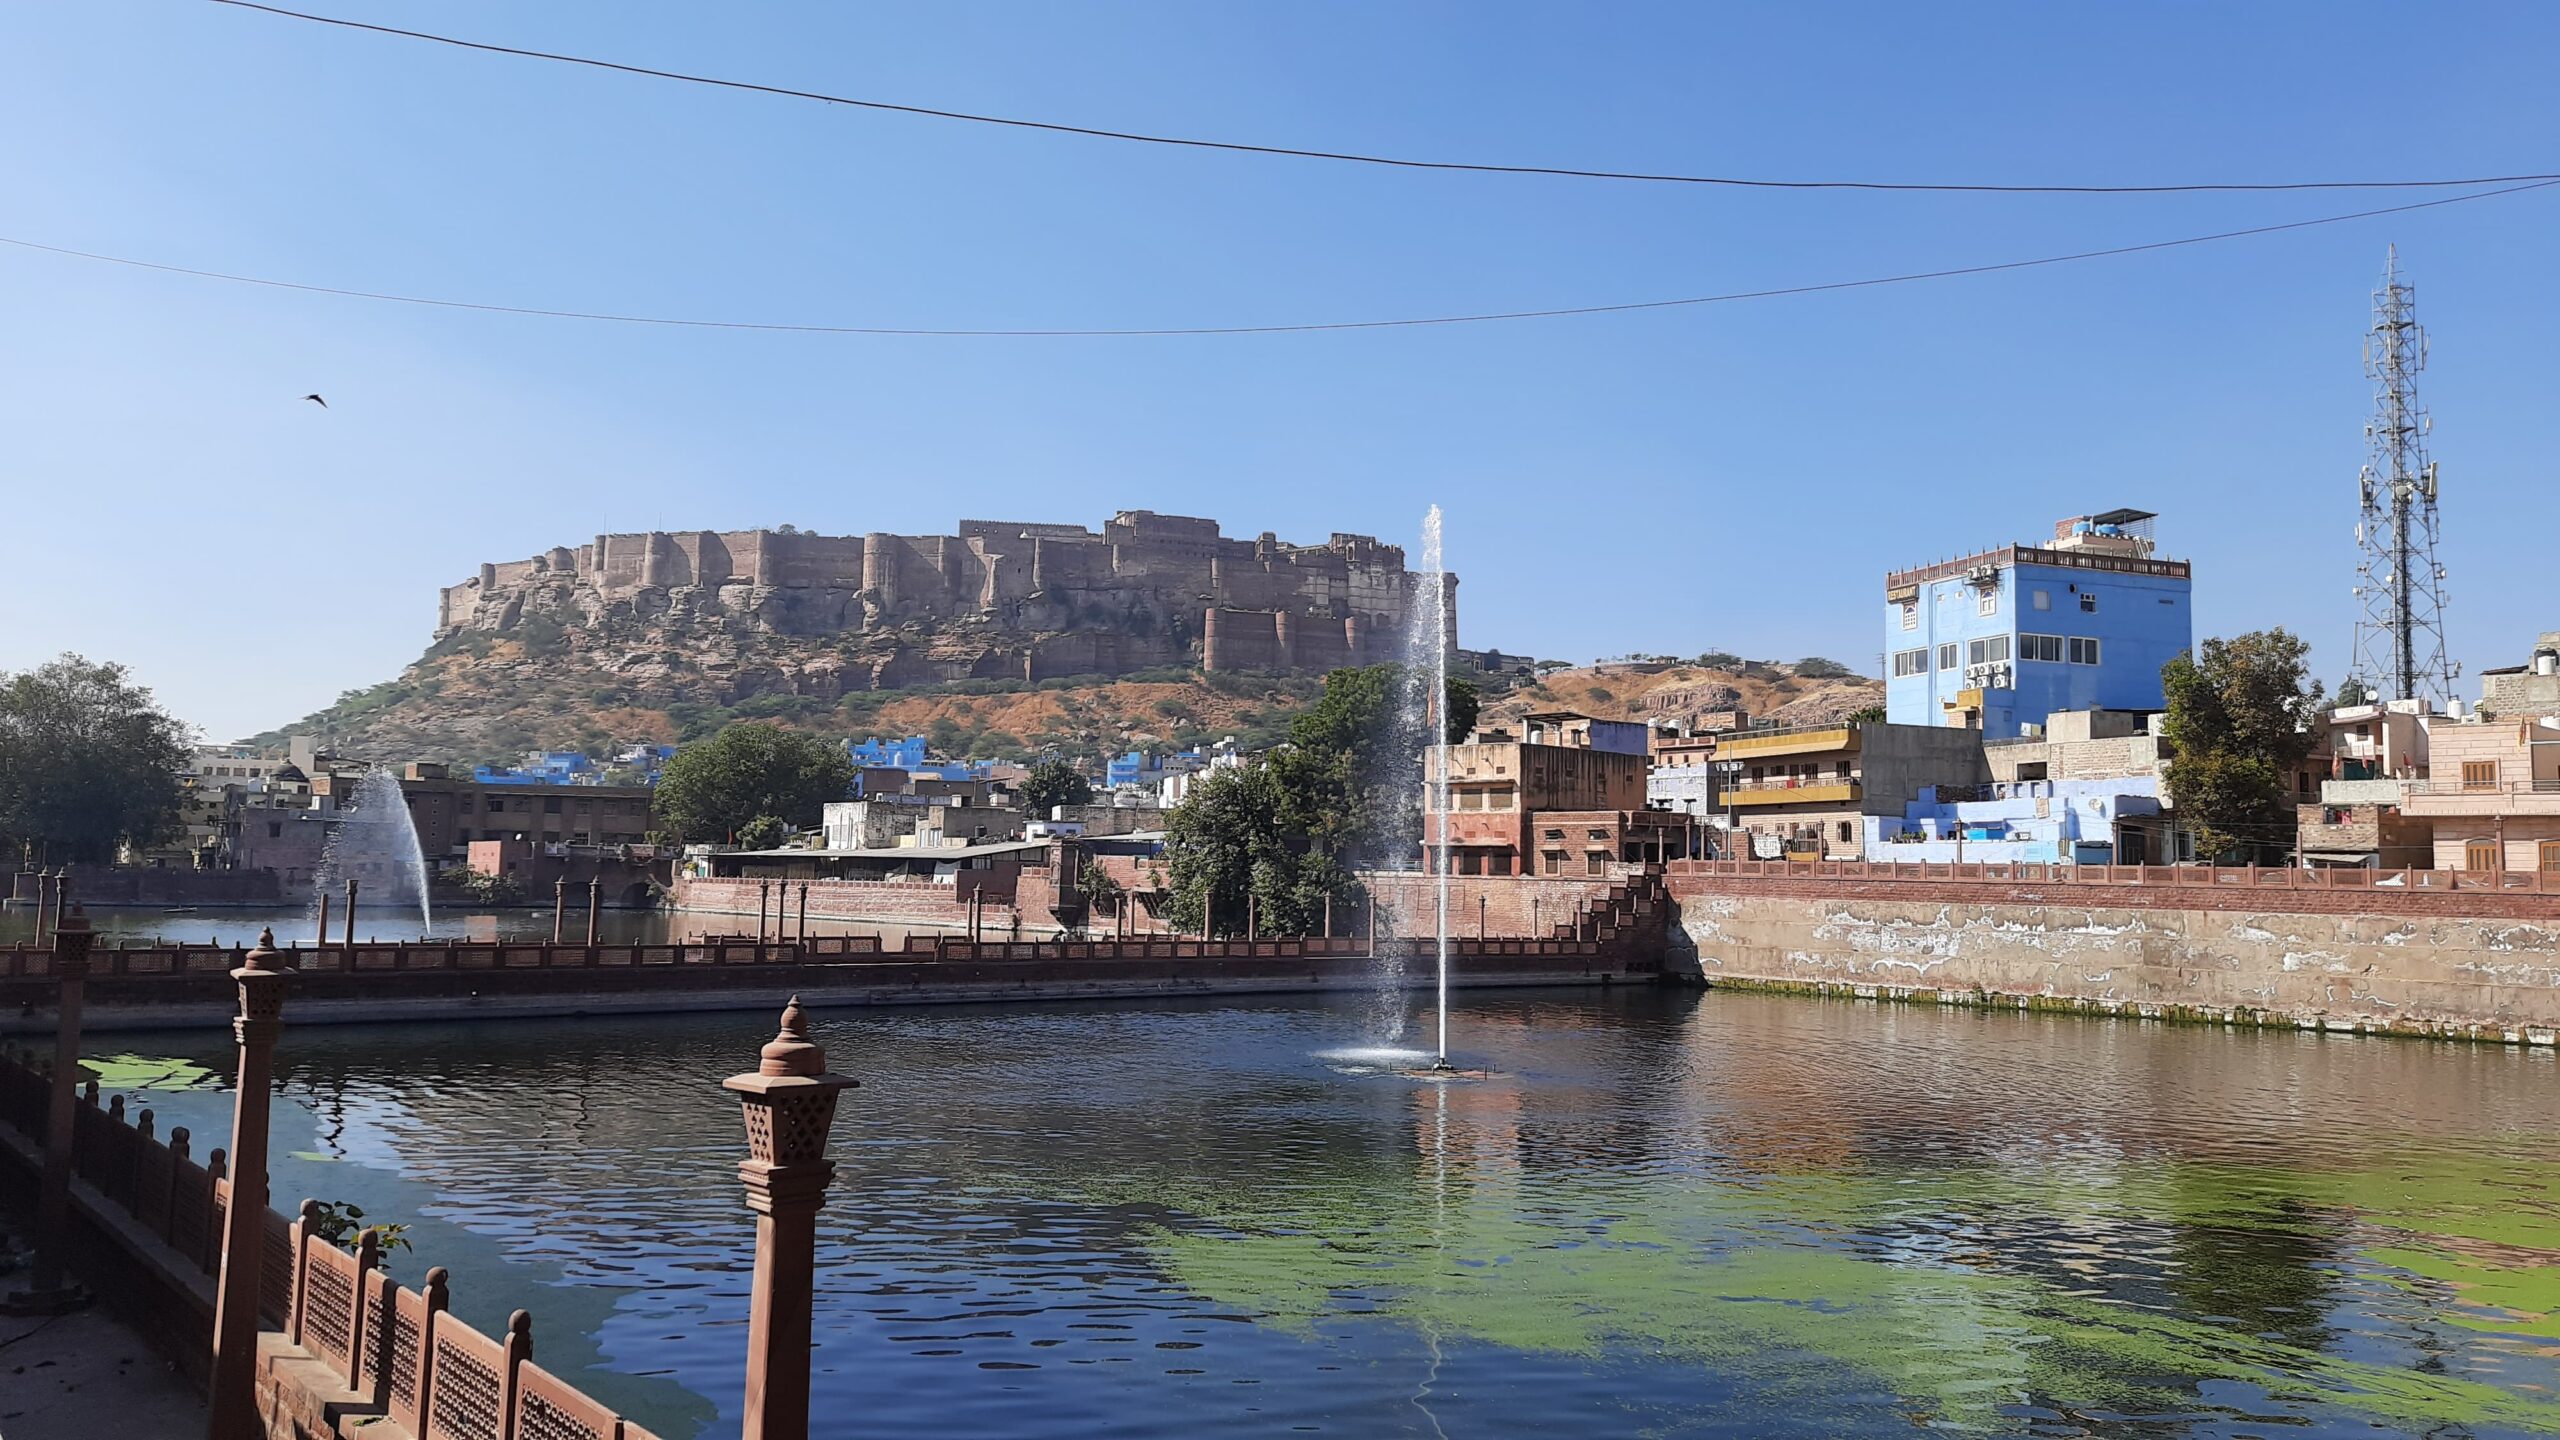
(2399, 649)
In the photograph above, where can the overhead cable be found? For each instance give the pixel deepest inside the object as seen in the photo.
(1139, 332)
(1391, 161)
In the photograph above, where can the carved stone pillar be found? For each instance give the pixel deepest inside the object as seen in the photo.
(232, 1413)
(790, 1103)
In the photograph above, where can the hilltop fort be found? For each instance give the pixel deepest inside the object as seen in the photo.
(997, 600)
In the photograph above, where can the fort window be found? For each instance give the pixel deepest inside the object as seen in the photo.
(497, 804)
(550, 804)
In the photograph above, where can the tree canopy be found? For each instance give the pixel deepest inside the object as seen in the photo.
(88, 761)
(2239, 721)
(1052, 783)
(715, 788)
(1288, 831)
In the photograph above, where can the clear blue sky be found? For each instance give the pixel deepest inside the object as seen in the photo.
(1736, 476)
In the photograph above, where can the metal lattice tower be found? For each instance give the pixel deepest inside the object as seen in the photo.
(2399, 650)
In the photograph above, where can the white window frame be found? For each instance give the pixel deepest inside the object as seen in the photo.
(2044, 649)
(2084, 650)
(1907, 663)
(1979, 652)
(1910, 614)
(1990, 603)
(1951, 655)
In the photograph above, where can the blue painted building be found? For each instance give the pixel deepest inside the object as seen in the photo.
(878, 754)
(2016, 822)
(2000, 640)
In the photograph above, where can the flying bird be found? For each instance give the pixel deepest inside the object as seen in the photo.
(316, 400)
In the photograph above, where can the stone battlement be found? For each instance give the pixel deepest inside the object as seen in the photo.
(1140, 591)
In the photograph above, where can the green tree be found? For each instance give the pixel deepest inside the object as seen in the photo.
(1865, 715)
(714, 788)
(1052, 783)
(2239, 722)
(765, 832)
(1285, 833)
(88, 761)
(2353, 691)
(1239, 847)
(1817, 667)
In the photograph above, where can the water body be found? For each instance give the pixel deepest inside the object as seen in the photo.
(1663, 1213)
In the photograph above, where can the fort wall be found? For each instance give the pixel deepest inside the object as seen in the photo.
(1038, 600)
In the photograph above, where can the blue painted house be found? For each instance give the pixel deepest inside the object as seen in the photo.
(1998, 641)
(2049, 822)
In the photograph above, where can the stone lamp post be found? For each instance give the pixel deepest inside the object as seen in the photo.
(232, 1413)
(48, 1291)
(790, 1103)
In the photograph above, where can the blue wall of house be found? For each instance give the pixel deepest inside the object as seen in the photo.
(2139, 623)
(2077, 823)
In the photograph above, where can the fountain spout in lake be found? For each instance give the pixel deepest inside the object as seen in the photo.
(1426, 660)
(375, 843)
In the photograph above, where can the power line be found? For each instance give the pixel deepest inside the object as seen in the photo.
(1390, 161)
(1412, 322)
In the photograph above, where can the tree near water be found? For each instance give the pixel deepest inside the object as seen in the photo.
(715, 788)
(1279, 838)
(2239, 721)
(88, 762)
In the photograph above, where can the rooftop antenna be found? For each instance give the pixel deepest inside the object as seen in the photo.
(2399, 641)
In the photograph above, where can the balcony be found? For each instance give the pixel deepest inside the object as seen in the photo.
(1789, 790)
(2453, 798)
(1797, 740)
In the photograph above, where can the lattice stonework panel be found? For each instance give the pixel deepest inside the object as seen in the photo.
(464, 1405)
(548, 1409)
(328, 1311)
(403, 1351)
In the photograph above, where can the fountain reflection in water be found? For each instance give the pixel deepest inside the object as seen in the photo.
(375, 844)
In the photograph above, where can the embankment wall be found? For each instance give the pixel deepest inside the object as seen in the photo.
(2411, 964)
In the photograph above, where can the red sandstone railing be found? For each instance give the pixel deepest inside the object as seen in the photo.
(435, 1377)
(22, 961)
(2181, 877)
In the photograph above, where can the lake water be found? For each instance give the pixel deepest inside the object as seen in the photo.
(1659, 1213)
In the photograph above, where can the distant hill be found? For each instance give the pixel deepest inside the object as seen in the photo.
(1766, 690)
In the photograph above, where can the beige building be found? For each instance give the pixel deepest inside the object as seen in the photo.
(2492, 794)
(1803, 792)
(2532, 688)
(2376, 754)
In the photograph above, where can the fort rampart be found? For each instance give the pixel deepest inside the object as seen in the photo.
(1144, 590)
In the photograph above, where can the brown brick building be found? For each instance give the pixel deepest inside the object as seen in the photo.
(451, 812)
(1581, 778)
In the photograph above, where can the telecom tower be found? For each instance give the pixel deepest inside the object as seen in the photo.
(2399, 651)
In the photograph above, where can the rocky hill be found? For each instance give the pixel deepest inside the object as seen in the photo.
(474, 697)
(1764, 690)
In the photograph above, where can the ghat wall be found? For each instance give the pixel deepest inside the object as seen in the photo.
(2408, 964)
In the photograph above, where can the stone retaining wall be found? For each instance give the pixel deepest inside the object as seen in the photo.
(2379, 962)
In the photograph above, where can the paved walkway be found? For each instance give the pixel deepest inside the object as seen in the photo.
(85, 1374)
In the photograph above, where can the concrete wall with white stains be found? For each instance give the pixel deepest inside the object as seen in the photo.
(2492, 979)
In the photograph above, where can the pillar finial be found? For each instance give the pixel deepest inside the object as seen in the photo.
(266, 957)
(791, 1051)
